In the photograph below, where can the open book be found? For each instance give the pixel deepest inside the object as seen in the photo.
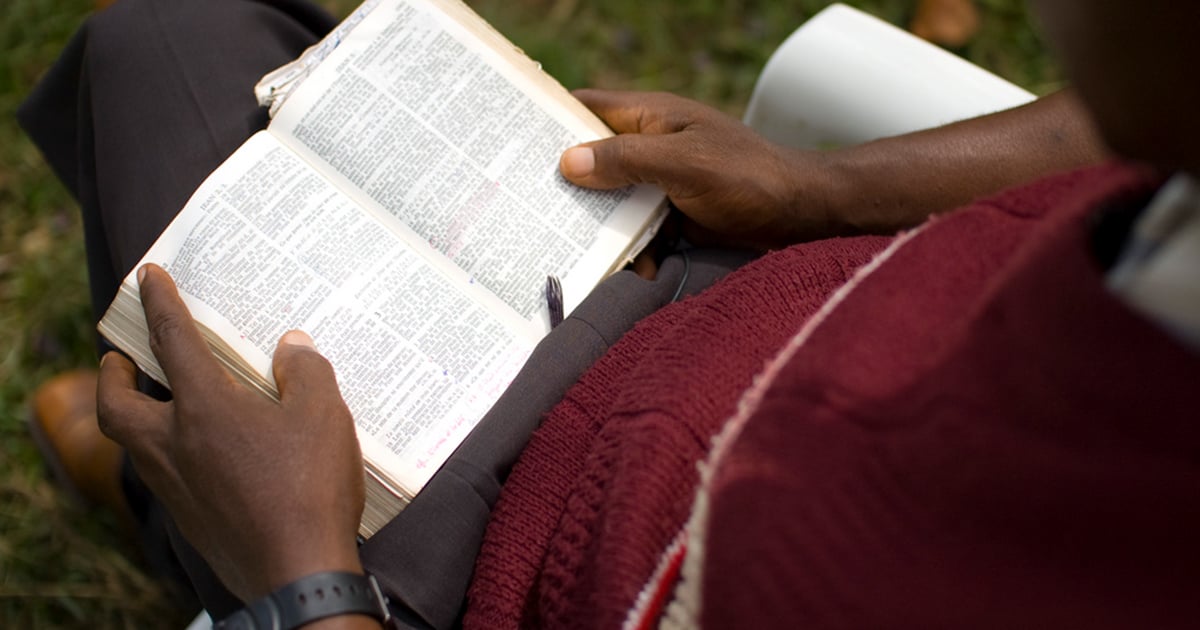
(404, 207)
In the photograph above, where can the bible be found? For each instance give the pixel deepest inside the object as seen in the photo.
(404, 208)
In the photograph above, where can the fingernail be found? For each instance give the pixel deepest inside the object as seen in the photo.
(578, 162)
(298, 338)
(141, 274)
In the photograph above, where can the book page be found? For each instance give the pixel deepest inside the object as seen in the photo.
(454, 136)
(266, 245)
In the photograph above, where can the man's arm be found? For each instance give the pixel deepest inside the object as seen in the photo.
(744, 189)
(893, 183)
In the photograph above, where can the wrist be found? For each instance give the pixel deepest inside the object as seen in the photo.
(866, 191)
(345, 622)
(297, 560)
(846, 189)
(814, 201)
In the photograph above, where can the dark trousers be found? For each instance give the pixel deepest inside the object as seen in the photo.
(147, 99)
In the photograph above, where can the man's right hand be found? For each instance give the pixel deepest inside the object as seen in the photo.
(742, 189)
(732, 182)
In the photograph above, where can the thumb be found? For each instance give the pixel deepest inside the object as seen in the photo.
(300, 370)
(126, 415)
(623, 160)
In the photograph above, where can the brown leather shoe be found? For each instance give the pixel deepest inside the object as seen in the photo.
(83, 460)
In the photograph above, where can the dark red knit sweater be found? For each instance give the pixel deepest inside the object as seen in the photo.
(978, 434)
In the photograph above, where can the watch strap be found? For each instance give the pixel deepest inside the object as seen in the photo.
(310, 598)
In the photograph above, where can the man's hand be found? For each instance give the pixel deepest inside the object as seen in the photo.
(731, 182)
(266, 492)
(745, 190)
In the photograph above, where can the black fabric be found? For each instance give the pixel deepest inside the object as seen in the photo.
(147, 99)
(1112, 226)
(436, 538)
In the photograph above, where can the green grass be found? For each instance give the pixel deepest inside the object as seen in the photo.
(60, 566)
(65, 566)
(713, 50)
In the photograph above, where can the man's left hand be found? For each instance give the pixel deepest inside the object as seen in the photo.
(267, 492)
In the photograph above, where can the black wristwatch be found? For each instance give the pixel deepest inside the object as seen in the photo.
(310, 598)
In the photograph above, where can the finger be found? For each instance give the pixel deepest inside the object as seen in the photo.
(301, 372)
(174, 338)
(124, 413)
(636, 112)
(135, 421)
(645, 266)
(627, 159)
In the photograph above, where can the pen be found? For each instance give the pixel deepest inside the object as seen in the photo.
(554, 299)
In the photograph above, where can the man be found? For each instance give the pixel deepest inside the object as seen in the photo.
(960, 425)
